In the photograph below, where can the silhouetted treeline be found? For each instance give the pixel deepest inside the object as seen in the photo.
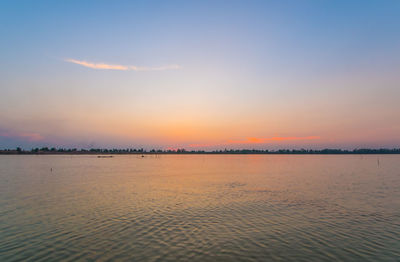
(53, 150)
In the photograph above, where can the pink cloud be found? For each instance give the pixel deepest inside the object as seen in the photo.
(31, 137)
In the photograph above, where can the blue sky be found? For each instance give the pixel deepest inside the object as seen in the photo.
(209, 72)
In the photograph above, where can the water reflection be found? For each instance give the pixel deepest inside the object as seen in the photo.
(200, 207)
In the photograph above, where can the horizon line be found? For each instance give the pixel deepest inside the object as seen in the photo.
(94, 151)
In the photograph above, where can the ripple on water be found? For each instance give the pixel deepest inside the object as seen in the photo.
(167, 210)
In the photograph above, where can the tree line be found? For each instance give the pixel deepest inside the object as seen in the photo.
(53, 150)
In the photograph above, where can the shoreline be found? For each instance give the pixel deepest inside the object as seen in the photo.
(199, 153)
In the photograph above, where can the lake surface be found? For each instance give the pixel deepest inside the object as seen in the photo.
(200, 208)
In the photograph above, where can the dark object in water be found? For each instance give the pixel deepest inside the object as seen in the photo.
(104, 156)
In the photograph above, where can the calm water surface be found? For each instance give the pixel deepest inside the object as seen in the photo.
(200, 208)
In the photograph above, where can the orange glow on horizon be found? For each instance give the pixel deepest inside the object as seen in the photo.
(255, 140)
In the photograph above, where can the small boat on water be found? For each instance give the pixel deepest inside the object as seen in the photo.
(104, 156)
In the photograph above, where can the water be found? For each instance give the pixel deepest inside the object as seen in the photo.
(200, 208)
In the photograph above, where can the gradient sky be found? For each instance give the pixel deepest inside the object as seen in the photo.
(200, 74)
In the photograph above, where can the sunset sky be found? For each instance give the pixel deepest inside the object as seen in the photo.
(200, 74)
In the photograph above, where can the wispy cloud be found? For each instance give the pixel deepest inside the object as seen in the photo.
(105, 66)
(255, 140)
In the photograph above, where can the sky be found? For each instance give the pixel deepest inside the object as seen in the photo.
(200, 75)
